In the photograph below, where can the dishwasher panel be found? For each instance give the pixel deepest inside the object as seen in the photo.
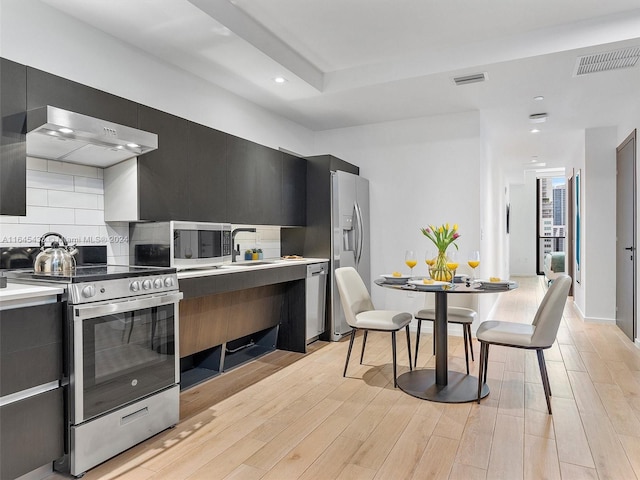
(316, 291)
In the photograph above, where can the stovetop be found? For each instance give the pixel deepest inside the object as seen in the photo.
(92, 273)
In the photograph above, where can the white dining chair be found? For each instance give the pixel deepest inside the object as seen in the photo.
(362, 315)
(538, 336)
(457, 315)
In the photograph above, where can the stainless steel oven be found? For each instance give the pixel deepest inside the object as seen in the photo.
(121, 361)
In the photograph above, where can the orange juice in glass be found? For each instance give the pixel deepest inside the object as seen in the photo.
(474, 261)
(410, 260)
(452, 263)
(429, 258)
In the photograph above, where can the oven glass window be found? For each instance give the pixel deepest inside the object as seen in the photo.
(127, 356)
(190, 244)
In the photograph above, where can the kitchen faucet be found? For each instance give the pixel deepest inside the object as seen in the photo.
(234, 252)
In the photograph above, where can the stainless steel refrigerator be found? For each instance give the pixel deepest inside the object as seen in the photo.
(350, 246)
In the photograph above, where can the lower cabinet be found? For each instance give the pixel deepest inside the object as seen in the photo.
(32, 410)
(32, 432)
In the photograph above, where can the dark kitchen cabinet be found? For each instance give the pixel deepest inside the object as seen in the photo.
(206, 174)
(254, 182)
(162, 173)
(46, 89)
(13, 156)
(31, 424)
(294, 188)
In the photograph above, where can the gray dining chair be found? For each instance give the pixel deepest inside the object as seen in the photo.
(538, 336)
(457, 315)
(362, 315)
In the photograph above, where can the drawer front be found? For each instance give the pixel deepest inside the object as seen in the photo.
(32, 432)
(30, 346)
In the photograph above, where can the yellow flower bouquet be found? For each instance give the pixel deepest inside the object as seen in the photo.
(442, 237)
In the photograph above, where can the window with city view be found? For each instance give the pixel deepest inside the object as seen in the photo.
(552, 216)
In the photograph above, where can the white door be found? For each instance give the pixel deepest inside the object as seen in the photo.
(626, 241)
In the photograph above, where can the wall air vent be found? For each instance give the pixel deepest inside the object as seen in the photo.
(602, 62)
(474, 78)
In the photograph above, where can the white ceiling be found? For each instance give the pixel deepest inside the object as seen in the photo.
(355, 62)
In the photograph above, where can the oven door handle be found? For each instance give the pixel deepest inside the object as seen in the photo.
(82, 312)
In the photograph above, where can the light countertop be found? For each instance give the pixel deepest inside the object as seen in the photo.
(17, 294)
(246, 266)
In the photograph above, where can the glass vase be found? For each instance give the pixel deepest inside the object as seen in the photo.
(439, 270)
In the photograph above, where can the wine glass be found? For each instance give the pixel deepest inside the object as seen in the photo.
(474, 261)
(410, 260)
(429, 259)
(452, 263)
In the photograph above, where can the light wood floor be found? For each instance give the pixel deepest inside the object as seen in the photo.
(289, 416)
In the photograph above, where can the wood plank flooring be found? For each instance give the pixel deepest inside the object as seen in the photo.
(292, 416)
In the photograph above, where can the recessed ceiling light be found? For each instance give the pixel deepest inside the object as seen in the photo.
(65, 130)
(133, 145)
(538, 98)
(534, 130)
(280, 80)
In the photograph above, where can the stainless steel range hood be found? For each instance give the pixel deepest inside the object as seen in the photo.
(58, 134)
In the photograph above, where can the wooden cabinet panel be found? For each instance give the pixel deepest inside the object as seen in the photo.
(203, 323)
(30, 347)
(162, 174)
(254, 310)
(13, 167)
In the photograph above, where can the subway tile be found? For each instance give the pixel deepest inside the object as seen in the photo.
(89, 217)
(48, 180)
(46, 215)
(72, 199)
(37, 197)
(34, 163)
(100, 172)
(4, 219)
(100, 202)
(21, 234)
(56, 166)
(79, 234)
(89, 185)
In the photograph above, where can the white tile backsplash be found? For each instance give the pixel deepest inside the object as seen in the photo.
(265, 237)
(49, 181)
(67, 199)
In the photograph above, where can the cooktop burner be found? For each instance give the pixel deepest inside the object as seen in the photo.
(93, 273)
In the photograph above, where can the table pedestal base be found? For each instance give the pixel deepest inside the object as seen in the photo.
(422, 384)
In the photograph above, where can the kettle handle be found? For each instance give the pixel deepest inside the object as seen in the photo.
(50, 234)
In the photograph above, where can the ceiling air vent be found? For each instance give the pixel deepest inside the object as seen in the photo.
(602, 62)
(474, 78)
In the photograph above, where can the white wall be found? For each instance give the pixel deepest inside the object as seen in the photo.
(37, 35)
(522, 233)
(421, 171)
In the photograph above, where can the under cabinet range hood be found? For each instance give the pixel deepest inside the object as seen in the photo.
(57, 134)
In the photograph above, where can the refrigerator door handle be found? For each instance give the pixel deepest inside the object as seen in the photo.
(360, 233)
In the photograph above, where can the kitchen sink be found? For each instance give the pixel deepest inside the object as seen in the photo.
(251, 263)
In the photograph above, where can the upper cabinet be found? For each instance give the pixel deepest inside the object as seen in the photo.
(13, 164)
(46, 89)
(162, 174)
(254, 182)
(294, 191)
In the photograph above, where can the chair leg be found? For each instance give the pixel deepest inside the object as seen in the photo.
(393, 349)
(545, 378)
(353, 336)
(466, 346)
(468, 327)
(409, 346)
(364, 343)
(486, 361)
(415, 357)
(483, 353)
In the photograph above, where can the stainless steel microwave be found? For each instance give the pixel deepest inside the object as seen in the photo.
(180, 244)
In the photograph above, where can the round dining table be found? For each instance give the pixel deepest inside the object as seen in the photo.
(440, 384)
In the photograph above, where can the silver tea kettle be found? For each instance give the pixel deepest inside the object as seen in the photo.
(55, 259)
